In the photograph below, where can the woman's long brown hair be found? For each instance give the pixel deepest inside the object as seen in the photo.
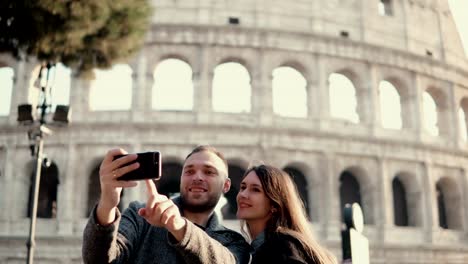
(289, 215)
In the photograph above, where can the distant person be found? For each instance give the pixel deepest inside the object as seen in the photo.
(271, 210)
(181, 230)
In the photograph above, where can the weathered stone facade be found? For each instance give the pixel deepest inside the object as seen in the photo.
(417, 48)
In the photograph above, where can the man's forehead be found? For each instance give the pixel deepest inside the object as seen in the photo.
(205, 158)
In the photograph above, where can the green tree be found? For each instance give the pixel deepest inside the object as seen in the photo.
(81, 34)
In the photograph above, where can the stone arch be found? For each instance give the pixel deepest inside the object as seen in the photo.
(355, 186)
(236, 170)
(348, 81)
(173, 85)
(224, 88)
(463, 118)
(402, 84)
(297, 65)
(105, 84)
(449, 202)
(391, 108)
(7, 75)
(48, 187)
(298, 173)
(289, 92)
(169, 184)
(413, 198)
(236, 59)
(442, 109)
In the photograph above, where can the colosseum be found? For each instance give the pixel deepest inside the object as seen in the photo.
(361, 101)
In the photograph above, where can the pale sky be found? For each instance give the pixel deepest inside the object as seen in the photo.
(459, 9)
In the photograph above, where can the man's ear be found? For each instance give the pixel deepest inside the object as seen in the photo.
(227, 185)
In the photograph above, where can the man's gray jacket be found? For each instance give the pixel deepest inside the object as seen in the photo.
(130, 239)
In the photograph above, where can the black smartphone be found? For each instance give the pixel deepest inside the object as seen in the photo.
(150, 167)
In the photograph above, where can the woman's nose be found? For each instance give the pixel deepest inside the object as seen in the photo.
(242, 193)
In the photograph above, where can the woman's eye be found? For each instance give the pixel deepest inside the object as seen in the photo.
(242, 188)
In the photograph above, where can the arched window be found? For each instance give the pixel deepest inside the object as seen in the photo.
(462, 124)
(6, 88)
(231, 88)
(289, 92)
(430, 115)
(462, 119)
(441, 207)
(116, 82)
(173, 86)
(235, 173)
(390, 105)
(169, 184)
(61, 88)
(350, 191)
(400, 209)
(343, 101)
(301, 185)
(385, 7)
(94, 192)
(449, 203)
(47, 200)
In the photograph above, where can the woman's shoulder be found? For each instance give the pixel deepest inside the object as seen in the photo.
(285, 247)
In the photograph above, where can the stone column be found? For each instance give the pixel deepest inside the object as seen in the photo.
(262, 95)
(384, 207)
(430, 212)
(332, 216)
(23, 75)
(314, 102)
(7, 183)
(372, 109)
(323, 94)
(367, 100)
(415, 95)
(141, 87)
(203, 77)
(79, 99)
(66, 212)
(453, 124)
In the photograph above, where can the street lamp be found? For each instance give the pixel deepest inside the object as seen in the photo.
(26, 116)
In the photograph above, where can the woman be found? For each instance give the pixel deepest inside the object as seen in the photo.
(269, 205)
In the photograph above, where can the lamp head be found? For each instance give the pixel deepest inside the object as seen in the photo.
(25, 114)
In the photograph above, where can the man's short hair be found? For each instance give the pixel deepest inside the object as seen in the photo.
(209, 149)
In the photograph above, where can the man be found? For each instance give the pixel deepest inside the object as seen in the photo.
(182, 230)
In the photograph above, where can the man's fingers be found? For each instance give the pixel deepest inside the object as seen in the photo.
(112, 153)
(151, 188)
(117, 163)
(116, 173)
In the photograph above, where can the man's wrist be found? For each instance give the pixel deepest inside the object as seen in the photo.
(180, 227)
(105, 215)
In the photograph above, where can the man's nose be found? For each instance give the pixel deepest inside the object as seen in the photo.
(198, 176)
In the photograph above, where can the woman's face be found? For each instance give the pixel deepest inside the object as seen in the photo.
(252, 203)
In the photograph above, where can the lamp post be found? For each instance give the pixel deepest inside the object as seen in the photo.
(36, 136)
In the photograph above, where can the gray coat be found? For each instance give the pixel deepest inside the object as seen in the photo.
(130, 239)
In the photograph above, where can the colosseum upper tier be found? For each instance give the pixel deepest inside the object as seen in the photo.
(360, 100)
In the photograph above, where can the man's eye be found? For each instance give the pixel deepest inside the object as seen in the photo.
(189, 171)
(210, 172)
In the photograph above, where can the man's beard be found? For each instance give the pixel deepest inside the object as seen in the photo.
(207, 206)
